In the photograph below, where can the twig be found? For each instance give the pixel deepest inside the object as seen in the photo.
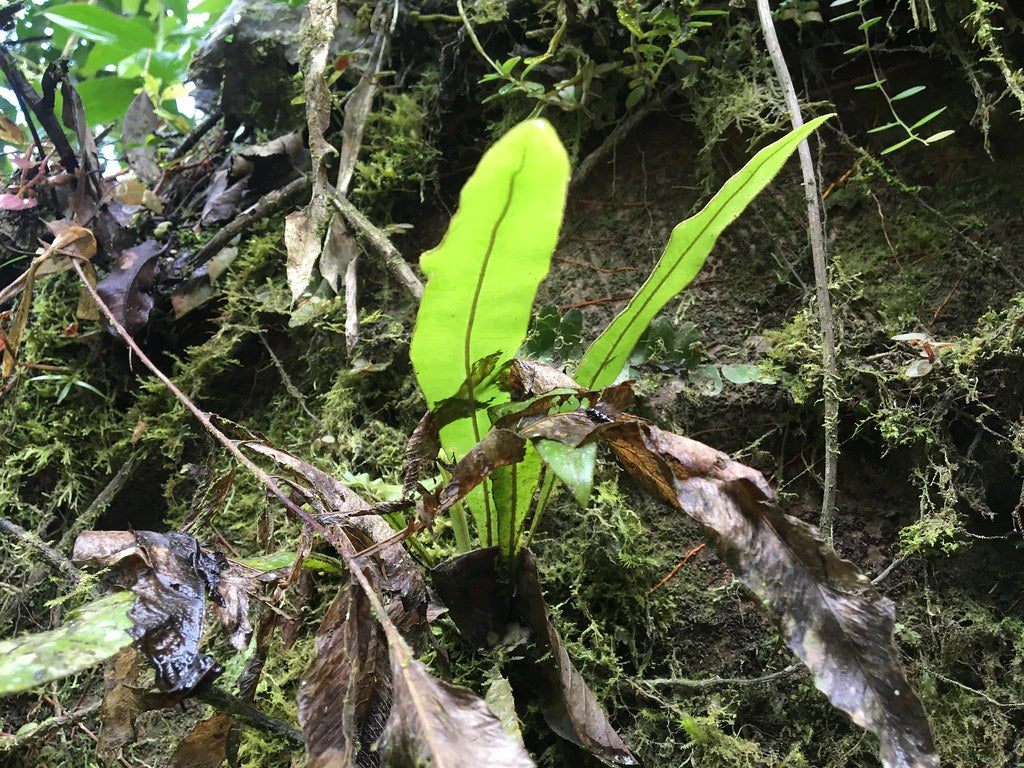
(889, 569)
(819, 256)
(980, 694)
(288, 385)
(247, 713)
(267, 205)
(19, 741)
(194, 136)
(381, 246)
(342, 546)
(674, 571)
(352, 303)
(715, 682)
(945, 301)
(52, 556)
(88, 517)
(623, 129)
(591, 302)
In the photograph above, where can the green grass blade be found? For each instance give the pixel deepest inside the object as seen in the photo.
(687, 249)
(92, 634)
(482, 278)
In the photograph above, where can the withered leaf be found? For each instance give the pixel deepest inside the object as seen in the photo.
(420, 452)
(126, 289)
(828, 612)
(206, 744)
(345, 694)
(442, 725)
(571, 710)
(528, 378)
(139, 124)
(170, 575)
(222, 198)
(125, 697)
(471, 586)
(406, 594)
(499, 448)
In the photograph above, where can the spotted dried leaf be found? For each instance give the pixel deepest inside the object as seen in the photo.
(828, 612)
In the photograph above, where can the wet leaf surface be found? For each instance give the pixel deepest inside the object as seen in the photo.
(829, 614)
(170, 575)
(127, 289)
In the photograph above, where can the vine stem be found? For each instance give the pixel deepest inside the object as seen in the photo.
(816, 234)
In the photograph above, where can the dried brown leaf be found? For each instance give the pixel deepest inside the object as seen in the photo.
(126, 290)
(206, 744)
(420, 452)
(442, 725)
(345, 694)
(140, 123)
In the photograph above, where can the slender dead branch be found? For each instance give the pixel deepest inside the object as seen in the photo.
(819, 256)
(242, 710)
(50, 555)
(43, 729)
(379, 244)
(268, 204)
(718, 682)
(342, 545)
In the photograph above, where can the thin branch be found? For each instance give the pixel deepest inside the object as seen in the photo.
(718, 682)
(18, 741)
(248, 714)
(52, 556)
(267, 205)
(819, 256)
(379, 244)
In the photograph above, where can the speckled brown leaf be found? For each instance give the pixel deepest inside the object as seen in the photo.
(126, 290)
(529, 378)
(345, 694)
(442, 725)
(222, 198)
(139, 124)
(206, 744)
(499, 448)
(170, 575)
(420, 452)
(827, 610)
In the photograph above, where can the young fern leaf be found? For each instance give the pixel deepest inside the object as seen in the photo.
(685, 254)
(482, 279)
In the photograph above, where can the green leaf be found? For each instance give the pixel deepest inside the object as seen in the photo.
(886, 127)
(855, 49)
(869, 23)
(92, 634)
(635, 96)
(741, 373)
(688, 248)
(906, 94)
(869, 86)
(928, 118)
(845, 16)
(512, 490)
(102, 26)
(107, 98)
(707, 379)
(482, 278)
(573, 466)
(897, 145)
(938, 136)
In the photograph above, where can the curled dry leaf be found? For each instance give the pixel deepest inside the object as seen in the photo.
(139, 124)
(420, 452)
(345, 695)
(829, 614)
(170, 575)
(471, 587)
(126, 290)
(442, 725)
(206, 744)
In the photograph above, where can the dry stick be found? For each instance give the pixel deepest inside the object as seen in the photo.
(381, 246)
(52, 556)
(341, 545)
(715, 682)
(50, 724)
(266, 206)
(820, 258)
